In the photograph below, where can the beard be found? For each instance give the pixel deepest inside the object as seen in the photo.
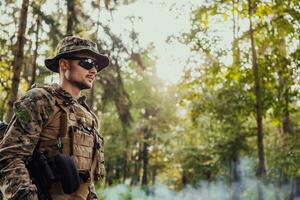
(78, 82)
(81, 85)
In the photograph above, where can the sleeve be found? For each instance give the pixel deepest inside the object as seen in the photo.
(31, 114)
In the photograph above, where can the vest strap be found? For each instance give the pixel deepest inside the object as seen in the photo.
(63, 128)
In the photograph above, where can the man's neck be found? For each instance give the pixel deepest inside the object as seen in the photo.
(74, 91)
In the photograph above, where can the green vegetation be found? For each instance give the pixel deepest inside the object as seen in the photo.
(230, 126)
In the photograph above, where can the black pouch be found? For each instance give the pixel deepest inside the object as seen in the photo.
(69, 176)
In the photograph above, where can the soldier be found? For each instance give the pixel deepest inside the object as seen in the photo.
(56, 121)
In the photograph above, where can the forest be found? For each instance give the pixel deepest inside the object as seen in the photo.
(226, 129)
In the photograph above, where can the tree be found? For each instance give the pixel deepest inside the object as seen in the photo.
(71, 16)
(34, 64)
(18, 58)
(211, 88)
(261, 166)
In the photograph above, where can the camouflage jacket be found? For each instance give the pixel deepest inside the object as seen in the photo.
(32, 114)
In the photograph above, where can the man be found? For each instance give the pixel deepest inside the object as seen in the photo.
(56, 121)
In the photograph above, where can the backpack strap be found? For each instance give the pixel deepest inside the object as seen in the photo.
(3, 128)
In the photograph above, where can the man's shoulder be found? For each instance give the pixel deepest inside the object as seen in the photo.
(36, 106)
(38, 93)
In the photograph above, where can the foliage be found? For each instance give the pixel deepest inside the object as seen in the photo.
(197, 131)
(220, 97)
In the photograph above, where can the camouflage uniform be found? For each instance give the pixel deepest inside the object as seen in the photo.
(36, 116)
(37, 124)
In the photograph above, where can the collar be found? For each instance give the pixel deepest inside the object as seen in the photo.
(63, 94)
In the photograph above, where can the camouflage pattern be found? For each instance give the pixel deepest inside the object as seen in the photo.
(71, 44)
(35, 113)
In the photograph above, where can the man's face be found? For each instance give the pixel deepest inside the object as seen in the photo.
(75, 74)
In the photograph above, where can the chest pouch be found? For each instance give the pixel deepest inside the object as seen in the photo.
(82, 145)
(66, 168)
(75, 140)
(99, 171)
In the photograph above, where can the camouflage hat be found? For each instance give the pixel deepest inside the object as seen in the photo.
(71, 44)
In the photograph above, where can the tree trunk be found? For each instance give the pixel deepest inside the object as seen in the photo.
(235, 30)
(117, 173)
(122, 100)
(109, 174)
(145, 157)
(26, 69)
(286, 115)
(136, 173)
(125, 156)
(70, 17)
(33, 74)
(236, 180)
(18, 59)
(295, 192)
(184, 179)
(261, 171)
(154, 173)
(261, 167)
(235, 177)
(284, 85)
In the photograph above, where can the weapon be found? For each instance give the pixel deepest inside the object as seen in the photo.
(44, 172)
(41, 174)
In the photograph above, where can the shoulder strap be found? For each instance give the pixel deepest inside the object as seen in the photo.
(63, 129)
(63, 126)
(61, 104)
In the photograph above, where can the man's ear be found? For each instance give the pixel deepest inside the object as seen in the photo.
(63, 64)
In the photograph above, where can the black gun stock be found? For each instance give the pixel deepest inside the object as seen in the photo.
(41, 174)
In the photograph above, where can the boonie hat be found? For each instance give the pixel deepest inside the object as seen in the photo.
(71, 44)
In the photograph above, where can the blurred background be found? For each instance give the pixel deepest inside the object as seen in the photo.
(200, 101)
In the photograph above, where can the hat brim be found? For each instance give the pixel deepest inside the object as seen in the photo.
(52, 63)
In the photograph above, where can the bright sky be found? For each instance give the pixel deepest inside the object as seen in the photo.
(155, 21)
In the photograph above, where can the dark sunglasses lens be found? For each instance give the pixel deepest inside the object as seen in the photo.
(88, 64)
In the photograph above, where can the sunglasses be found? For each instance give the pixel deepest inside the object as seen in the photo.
(86, 63)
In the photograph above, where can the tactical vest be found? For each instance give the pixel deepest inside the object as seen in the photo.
(77, 136)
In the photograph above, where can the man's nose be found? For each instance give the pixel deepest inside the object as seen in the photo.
(93, 70)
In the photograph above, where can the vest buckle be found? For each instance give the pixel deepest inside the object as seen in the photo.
(59, 144)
